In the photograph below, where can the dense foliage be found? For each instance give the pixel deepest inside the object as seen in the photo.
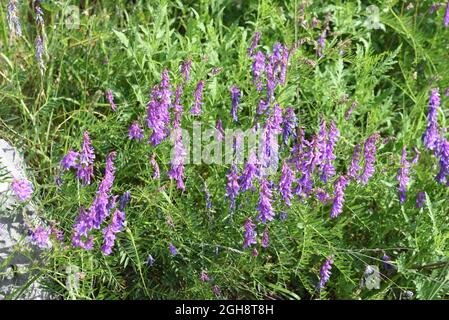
(357, 73)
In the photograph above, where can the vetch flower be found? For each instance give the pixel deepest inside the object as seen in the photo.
(83, 224)
(69, 160)
(443, 154)
(135, 131)
(431, 134)
(198, 97)
(328, 170)
(158, 116)
(232, 186)
(124, 200)
(176, 171)
(258, 70)
(185, 69)
(249, 173)
(109, 233)
(250, 233)
(285, 183)
(172, 249)
(204, 276)
(254, 44)
(355, 163)
(288, 125)
(263, 105)
(339, 192)
(266, 212)
(220, 134)
(41, 237)
(110, 99)
(350, 110)
(369, 154)
(13, 20)
(420, 199)
(22, 188)
(86, 159)
(40, 52)
(235, 98)
(150, 260)
(403, 175)
(325, 272)
(178, 108)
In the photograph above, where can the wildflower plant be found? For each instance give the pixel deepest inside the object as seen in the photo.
(324, 138)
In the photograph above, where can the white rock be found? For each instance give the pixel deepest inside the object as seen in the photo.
(17, 256)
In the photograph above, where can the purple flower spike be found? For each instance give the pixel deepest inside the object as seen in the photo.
(178, 107)
(198, 96)
(220, 134)
(111, 230)
(172, 249)
(403, 175)
(41, 237)
(289, 123)
(69, 161)
(40, 52)
(328, 170)
(321, 43)
(339, 191)
(355, 164)
(110, 99)
(83, 225)
(254, 44)
(235, 98)
(250, 172)
(135, 131)
(204, 276)
(258, 70)
(420, 199)
(13, 21)
(263, 105)
(250, 233)
(22, 188)
(232, 186)
(266, 212)
(185, 69)
(369, 153)
(325, 272)
(176, 171)
(443, 154)
(431, 135)
(285, 183)
(86, 160)
(265, 238)
(158, 116)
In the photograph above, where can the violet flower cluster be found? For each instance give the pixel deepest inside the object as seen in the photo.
(431, 135)
(12, 16)
(403, 175)
(22, 188)
(110, 98)
(232, 186)
(135, 131)
(250, 235)
(325, 272)
(158, 116)
(265, 208)
(235, 99)
(198, 99)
